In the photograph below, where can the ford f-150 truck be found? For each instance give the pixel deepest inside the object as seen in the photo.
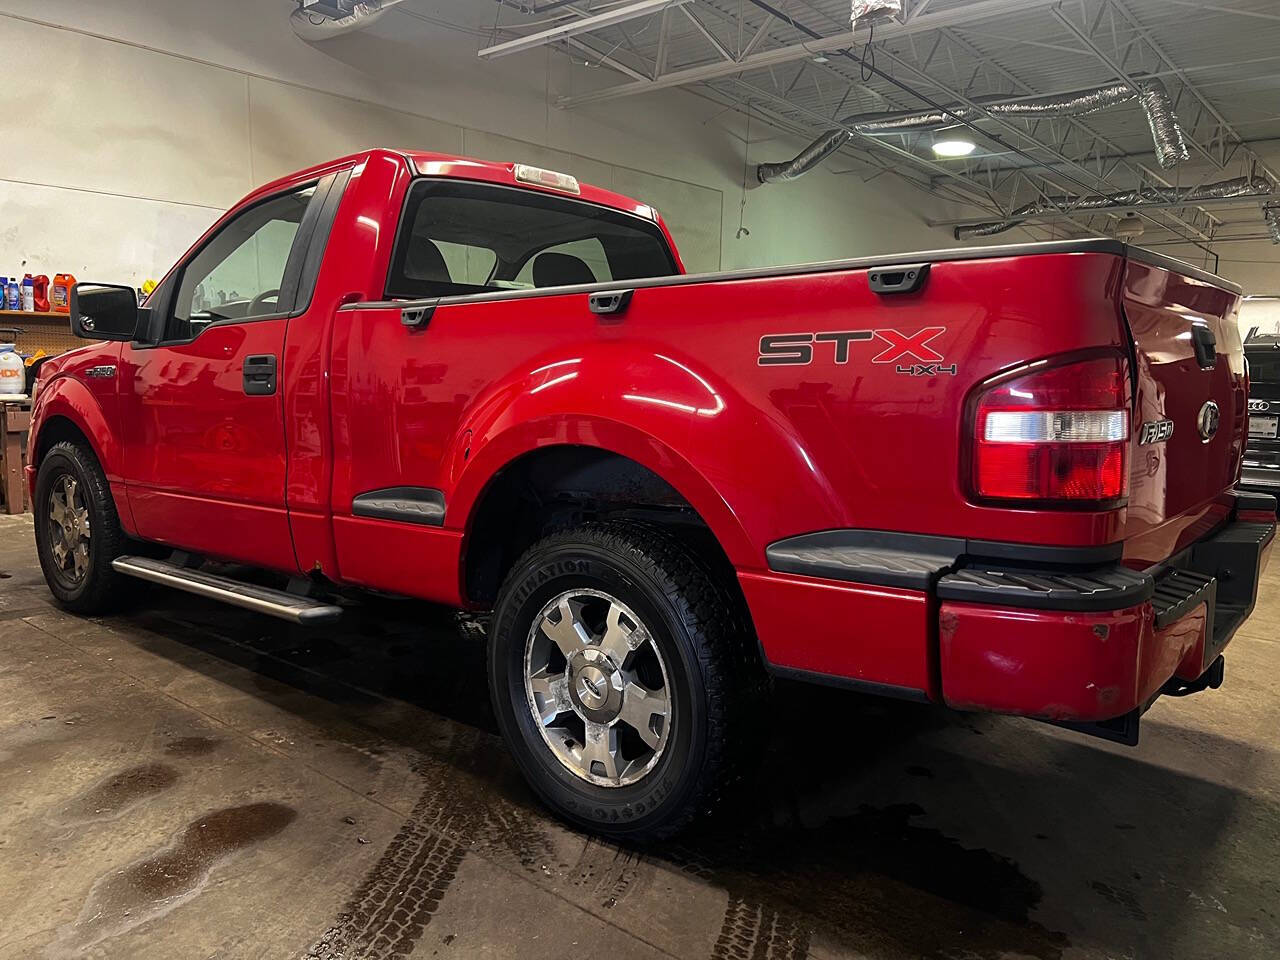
(998, 479)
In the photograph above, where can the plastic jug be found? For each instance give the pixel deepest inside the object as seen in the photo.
(40, 293)
(13, 372)
(13, 295)
(61, 297)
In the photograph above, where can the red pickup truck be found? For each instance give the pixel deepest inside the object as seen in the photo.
(999, 479)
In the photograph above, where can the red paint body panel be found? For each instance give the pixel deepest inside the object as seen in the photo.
(762, 452)
(1057, 666)
(1174, 486)
(199, 452)
(869, 634)
(425, 560)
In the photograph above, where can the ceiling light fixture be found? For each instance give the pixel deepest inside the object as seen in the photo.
(954, 148)
(572, 28)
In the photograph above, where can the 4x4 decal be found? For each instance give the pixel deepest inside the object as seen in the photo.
(896, 347)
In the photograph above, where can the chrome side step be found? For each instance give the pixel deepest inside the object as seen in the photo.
(250, 596)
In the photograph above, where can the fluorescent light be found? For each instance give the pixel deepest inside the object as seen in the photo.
(954, 148)
(571, 28)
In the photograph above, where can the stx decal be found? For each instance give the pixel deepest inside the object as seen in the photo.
(916, 346)
(896, 347)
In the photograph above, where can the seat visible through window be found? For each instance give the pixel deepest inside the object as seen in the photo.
(425, 261)
(560, 270)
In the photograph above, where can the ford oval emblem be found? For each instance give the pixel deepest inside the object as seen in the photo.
(1209, 419)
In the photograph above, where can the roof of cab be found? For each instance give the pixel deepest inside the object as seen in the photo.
(464, 168)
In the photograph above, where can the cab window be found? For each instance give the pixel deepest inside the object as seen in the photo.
(460, 238)
(238, 274)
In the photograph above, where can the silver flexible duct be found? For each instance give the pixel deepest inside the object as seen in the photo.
(805, 160)
(1166, 133)
(1271, 213)
(312, 28)
(1225, 189)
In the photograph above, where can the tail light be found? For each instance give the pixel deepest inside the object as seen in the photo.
(1055, 434)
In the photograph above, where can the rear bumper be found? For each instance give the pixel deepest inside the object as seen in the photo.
(1064, 642)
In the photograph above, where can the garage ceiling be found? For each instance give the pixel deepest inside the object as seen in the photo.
(794, 65)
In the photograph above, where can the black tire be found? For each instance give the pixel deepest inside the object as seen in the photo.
(698, 623)
(99, 587)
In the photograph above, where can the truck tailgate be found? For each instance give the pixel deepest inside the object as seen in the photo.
(1190, 407)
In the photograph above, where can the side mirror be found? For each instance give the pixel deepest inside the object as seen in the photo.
(101, 311)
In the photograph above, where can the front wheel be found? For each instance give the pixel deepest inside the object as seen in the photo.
(624, 677)
(77, 529)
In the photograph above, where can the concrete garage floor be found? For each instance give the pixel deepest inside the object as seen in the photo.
(186, 780)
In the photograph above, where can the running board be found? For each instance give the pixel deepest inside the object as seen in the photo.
(250, 596)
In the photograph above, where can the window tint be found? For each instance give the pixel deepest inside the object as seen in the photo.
(239, 272)
(459, 238)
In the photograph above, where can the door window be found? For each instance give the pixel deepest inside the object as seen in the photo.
(238, 274)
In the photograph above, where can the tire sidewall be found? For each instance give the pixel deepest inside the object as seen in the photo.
(56, 463)
(663, 790)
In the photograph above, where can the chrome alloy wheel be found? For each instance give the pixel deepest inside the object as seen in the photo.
(597, 686)
(69, 529)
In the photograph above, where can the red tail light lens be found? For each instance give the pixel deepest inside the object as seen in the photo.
(1056, 434)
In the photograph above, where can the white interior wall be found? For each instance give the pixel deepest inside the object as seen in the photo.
(141, 122)
(1262, 313)
(1254, 264)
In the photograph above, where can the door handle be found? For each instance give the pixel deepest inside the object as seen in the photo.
(260, 375)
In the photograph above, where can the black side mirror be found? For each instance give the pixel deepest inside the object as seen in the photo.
(102, 311)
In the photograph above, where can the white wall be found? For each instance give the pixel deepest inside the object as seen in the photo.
(1260, 312)
(142, 121)
(1254, 264)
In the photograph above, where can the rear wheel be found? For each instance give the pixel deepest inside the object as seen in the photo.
(77, 529)
(624, 677)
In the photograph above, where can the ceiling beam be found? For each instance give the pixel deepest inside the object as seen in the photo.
(806, 50)
(572, 28)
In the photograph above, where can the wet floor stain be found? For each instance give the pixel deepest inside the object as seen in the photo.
(119, 792)
(609, 874)
(388, 913)
(1120, 897)
(753, 931)
(162, 881)
(862, 883)
(188, 747)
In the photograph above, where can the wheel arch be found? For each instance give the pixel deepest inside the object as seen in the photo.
(67, 410)
(544, 487)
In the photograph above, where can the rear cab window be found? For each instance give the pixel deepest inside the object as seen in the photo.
(458, 238)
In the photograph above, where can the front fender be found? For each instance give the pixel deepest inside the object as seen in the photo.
(741, 467)
(66, 396)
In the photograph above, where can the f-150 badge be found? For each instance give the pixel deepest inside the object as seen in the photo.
(893, 346)
(1155, 431)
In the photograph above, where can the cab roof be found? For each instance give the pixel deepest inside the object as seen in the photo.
(430, 164)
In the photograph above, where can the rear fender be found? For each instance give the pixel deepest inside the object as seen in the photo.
(729, 460)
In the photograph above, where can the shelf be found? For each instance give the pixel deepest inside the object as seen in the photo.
(26, 315)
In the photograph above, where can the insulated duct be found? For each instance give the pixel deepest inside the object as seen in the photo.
(1225, 189)
(805, 160)
(312, 27)
(1271, 213)
(1166, 133)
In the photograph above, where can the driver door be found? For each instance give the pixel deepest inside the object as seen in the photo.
(201, 408)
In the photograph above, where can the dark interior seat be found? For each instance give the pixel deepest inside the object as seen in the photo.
(560, 270)
(424, 261)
